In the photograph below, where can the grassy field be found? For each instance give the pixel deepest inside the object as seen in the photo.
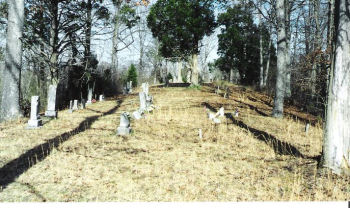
(252, 157)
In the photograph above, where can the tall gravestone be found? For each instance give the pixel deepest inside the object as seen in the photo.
(89, 98)
(143, 105)
(149, 98)
(34, 121)
(70, 110)
(102, 98)
(82, 104)
(75, 105)
(130, 89)
(124, 126)
(51, 102)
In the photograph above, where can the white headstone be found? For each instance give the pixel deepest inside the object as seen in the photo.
(70, 110)
(307, 126)
(143, 105)
(51, 102)
(137, 114)
(236, 112)
(89, 99)
(75, 105)
(222, 112)
(130, 89)
(102, 98)
(34, 121)
(124, 126)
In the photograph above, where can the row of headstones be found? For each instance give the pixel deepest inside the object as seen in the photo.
(226, 91)
(35, 120)
(73, 105)
(146, 101)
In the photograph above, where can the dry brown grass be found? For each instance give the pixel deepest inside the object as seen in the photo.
(164, 159)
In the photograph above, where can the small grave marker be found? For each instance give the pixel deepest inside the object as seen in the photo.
(124, 126)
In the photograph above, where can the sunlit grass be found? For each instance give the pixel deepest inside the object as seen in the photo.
(164, 159)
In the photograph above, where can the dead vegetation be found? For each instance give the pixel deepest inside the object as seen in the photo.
(252, 157)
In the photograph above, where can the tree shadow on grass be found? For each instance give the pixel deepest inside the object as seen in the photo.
(280, 147)
(291, 114)
(16, 167)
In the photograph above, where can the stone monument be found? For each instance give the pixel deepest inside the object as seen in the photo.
(70, 110)
(51, 102)
(82, 104)
(34, 121)
(143, 106)
(124, 126)
(89, 98)
(102, 98)
(75, 105)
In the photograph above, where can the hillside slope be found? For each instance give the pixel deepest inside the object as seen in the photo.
(252, 157)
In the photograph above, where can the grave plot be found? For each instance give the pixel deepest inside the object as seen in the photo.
(176, 153)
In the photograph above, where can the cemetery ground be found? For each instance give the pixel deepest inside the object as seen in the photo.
(252, 157)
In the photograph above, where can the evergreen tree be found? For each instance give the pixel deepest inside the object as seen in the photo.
(132, 75)
(239, 44)
(179, 25)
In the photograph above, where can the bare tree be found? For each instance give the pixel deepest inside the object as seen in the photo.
(336, 147)
(10, 105)
(281, 59)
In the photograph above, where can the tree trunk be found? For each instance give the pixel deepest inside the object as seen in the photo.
(54, 43)
(336, 147)
(287, 52)
(116, 37)
(267, 63)
(194, 68)
(316, 6)
(87, 52)
(261, 81)
(330, 39)
(281, 60)
(10, 105)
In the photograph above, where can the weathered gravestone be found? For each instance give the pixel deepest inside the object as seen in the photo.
(102, 98)
(221, 112)
(137, 114)
(307, 127)
(70, 110)
(214, 117)
(82, 104)
(145, 88)
(34, 121)
(75, 105)
(51, 102)
(143, 106)
(125, 90)
(89, 98)
(124, 126)
(149, 98)
(236, 112)
(130, 87)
